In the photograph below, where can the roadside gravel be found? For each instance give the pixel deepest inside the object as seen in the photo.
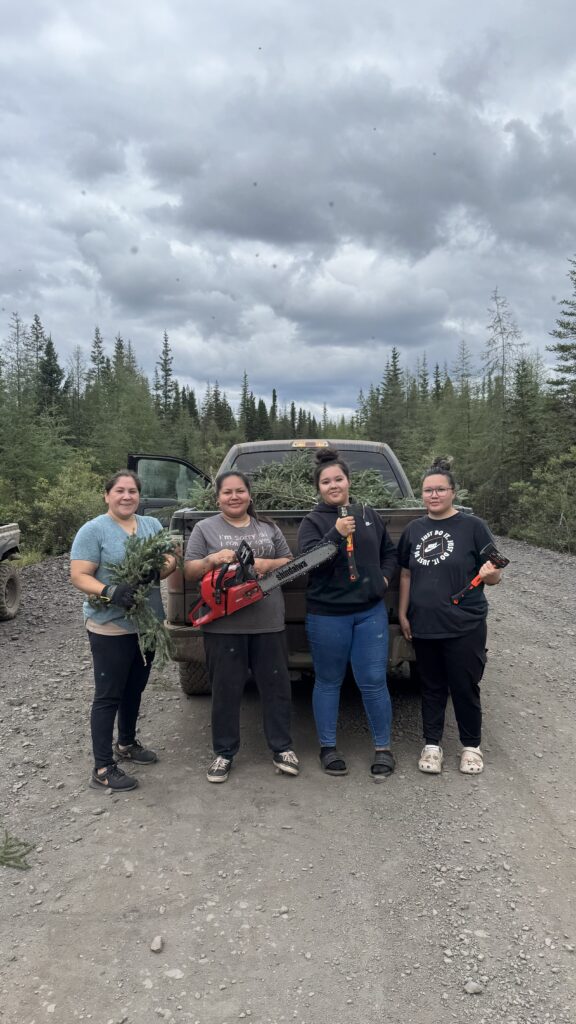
(271, 899)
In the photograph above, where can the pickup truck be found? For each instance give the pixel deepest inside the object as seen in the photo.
(10, 583)
(164, 480)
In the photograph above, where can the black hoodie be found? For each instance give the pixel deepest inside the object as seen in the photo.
(330, 590)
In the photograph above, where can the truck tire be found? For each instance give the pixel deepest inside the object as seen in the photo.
(194, 678)
(10, 590)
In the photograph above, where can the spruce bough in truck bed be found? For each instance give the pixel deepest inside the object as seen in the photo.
(143, 556)
(289, 485)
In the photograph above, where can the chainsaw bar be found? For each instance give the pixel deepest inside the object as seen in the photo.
(297, 567)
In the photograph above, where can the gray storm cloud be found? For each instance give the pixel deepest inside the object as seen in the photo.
(291, 191)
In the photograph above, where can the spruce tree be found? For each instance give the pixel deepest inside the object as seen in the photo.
(97, 360)
(50, 379)
(263, 429)
(164, 381)
(564, 381)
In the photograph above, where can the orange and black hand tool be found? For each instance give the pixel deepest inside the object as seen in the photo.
(489, 553)
(343, 512)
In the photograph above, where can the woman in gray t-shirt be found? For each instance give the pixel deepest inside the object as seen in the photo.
(252, 639)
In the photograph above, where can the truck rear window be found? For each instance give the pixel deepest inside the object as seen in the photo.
(249, 462)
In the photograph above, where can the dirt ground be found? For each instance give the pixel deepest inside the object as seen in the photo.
(310, 900)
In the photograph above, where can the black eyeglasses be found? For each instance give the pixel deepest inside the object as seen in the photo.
(435, 490)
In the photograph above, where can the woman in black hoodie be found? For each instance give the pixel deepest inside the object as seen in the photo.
(346, 617)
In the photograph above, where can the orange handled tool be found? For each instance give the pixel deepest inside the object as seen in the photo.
(488, 554)
(343, 511)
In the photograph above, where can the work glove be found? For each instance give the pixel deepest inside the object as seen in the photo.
(120, 594)
(153, 576)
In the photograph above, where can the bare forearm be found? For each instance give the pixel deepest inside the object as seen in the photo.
(197, 568)
(87, 583)
(404, 592)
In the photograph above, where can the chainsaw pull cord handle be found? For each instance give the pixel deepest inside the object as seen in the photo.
(343, 512)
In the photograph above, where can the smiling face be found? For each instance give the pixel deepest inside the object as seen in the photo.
(123, 498)
(334, 486)
(234, 498)
(438, 495)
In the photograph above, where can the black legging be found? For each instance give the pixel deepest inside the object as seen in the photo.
(120, 676)
(452, 665)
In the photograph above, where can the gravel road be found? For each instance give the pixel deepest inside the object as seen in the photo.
(314, 900)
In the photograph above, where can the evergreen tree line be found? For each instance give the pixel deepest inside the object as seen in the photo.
(508, 421)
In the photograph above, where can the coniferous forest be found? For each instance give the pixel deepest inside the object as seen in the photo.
(507, 415)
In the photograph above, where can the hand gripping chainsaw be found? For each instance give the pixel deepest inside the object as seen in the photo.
(233, 586)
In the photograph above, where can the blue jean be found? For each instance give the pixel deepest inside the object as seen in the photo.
(362, 640)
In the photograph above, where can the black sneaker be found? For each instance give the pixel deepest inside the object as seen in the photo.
(286, 762)
(219, 770)
(113, 778)
(136, 753)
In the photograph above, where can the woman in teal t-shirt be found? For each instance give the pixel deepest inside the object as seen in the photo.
(120, 672)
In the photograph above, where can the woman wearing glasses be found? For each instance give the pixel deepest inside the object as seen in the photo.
(438, 555)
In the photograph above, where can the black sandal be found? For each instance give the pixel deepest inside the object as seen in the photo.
(333, 762)
(382, 765)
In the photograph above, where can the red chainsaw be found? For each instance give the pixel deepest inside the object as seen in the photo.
(233, 586)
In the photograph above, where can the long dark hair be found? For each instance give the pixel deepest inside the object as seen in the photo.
(328, 457)
(245, 480)
(122, 472)
(441, 466)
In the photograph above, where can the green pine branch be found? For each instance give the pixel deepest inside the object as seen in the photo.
(289, 485)
(13, 852)
(143, 556)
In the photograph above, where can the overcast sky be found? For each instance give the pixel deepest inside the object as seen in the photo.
(287, 187)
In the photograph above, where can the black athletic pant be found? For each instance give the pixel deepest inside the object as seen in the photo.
(455, 666)
(230, 659)
(120, 676)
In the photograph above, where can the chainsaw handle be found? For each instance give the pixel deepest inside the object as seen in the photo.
(200, 614)
(219, 581)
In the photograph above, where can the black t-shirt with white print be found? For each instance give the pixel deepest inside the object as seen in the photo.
(443, 555)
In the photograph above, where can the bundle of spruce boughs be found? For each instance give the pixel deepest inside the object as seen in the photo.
(143, 557)
(289, 485)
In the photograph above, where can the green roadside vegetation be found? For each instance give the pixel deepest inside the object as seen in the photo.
(507, 416)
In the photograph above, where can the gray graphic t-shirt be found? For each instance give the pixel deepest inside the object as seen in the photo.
(266, 541)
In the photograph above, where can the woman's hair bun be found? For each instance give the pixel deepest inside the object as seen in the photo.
(443, 464)
(327, 455)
